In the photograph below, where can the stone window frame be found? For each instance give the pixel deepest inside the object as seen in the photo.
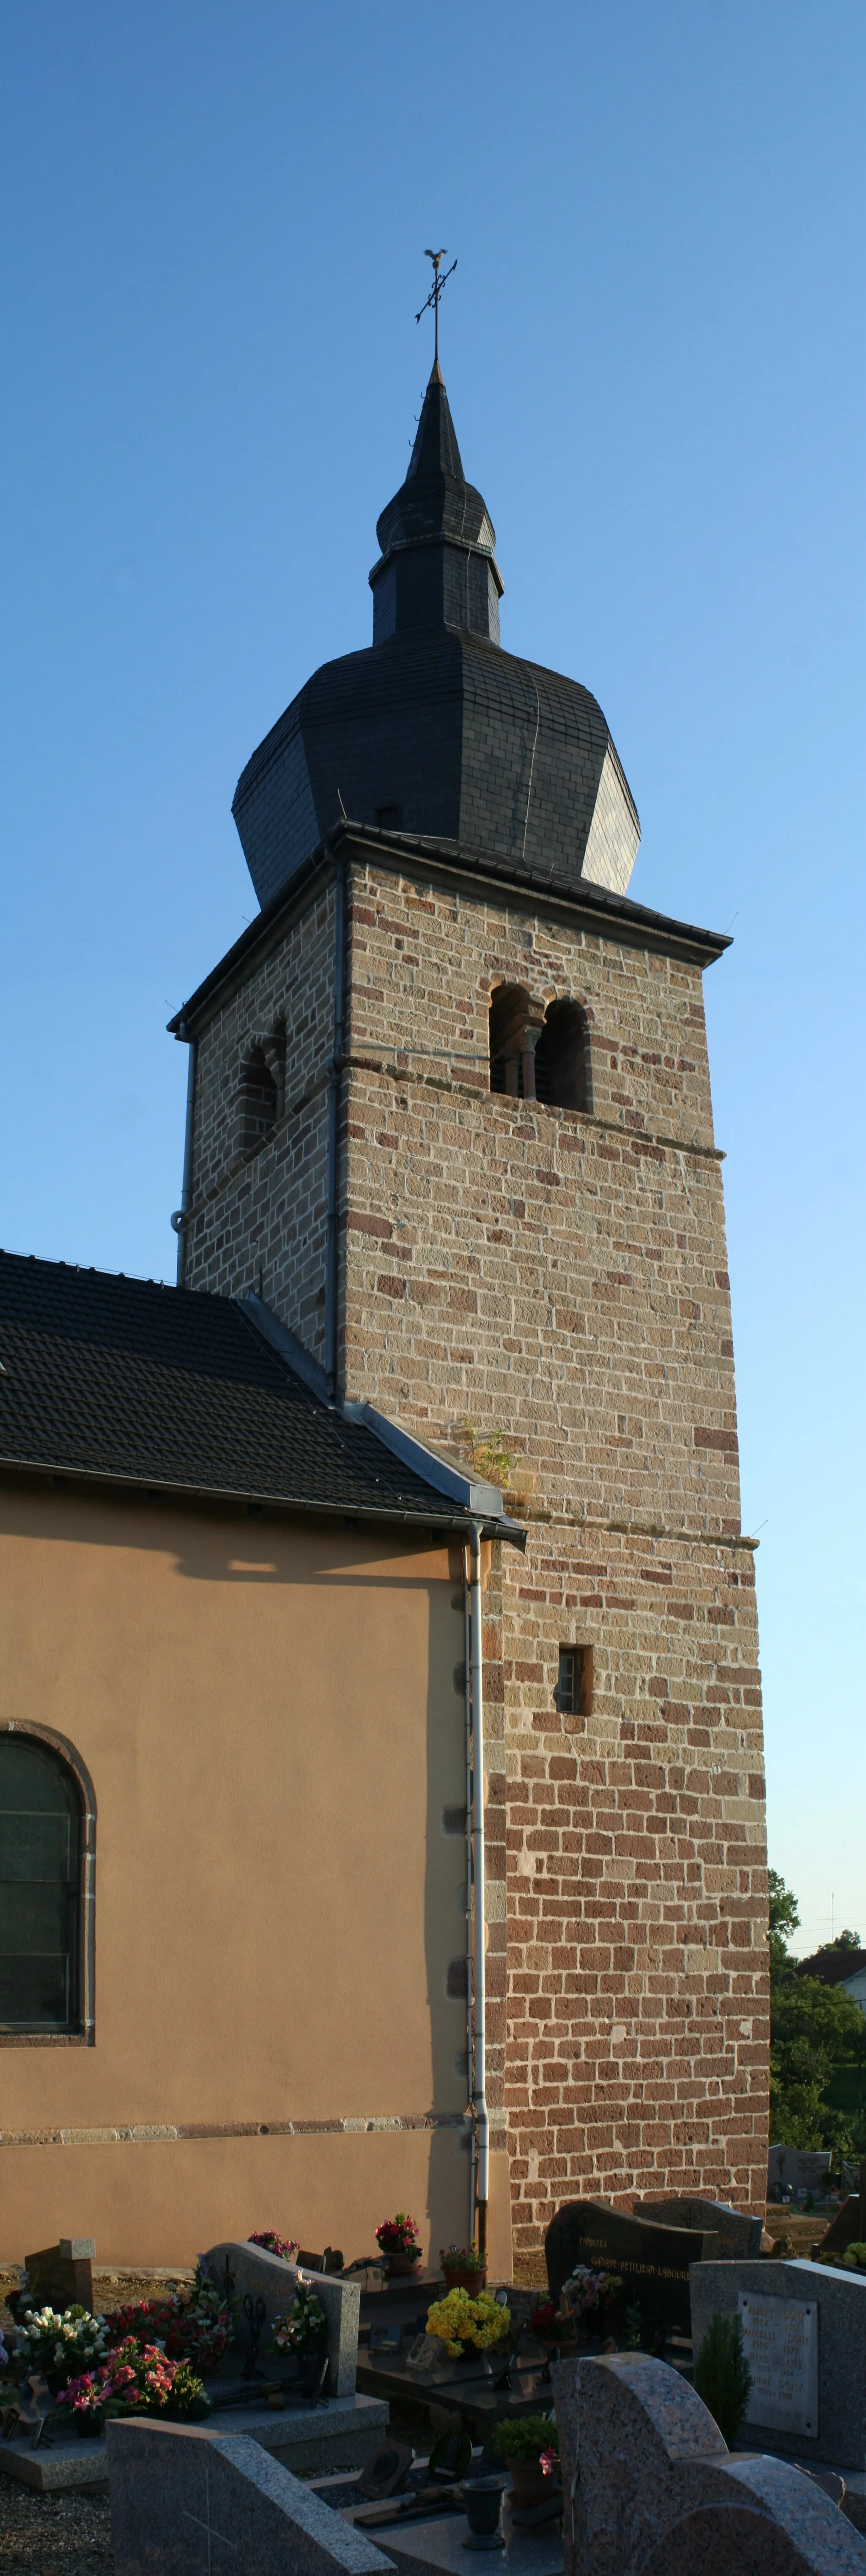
(517, 1021)
(271, 1049)
(573, 1696)
(85, 2035)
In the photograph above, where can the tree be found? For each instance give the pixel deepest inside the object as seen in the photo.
(843, 1941)
(813, 2029)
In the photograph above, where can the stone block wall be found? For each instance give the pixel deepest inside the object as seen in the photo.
(265, 1211)
(558, 1279)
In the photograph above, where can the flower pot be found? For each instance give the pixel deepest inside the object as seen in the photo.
(482, 2497)
(472, 2282)
(399, 2267)
(529, 2483)
(88, 2424)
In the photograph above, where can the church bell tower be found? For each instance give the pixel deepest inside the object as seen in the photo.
(450, 1118)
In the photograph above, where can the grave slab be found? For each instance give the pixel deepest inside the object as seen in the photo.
(439, 2547)
(341, 2435)
(189, 2502)
(256, 2274)
(839, 2299)
(659, 2494)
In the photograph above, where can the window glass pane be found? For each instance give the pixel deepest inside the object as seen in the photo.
(40, 1841)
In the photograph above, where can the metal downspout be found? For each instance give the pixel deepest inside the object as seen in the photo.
(179, 1217)
(335, 1069)
(470, 2032)
(479, 2095)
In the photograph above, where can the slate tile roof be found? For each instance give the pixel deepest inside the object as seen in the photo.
(119, 1378)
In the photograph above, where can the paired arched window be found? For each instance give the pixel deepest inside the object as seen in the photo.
(41, 1886)
(539, 1056)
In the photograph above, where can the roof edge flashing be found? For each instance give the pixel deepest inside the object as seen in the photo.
(284, 1342)
(470, 1492)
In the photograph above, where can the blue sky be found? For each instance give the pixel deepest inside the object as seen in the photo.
(214, 219)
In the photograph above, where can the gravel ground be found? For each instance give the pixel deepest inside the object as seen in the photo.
(53, 2535)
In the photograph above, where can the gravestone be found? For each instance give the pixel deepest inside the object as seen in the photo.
(847, 2228)
(659, 2494)
(188, 2502)
(61, 2276)
(739, 2231)
(783, 2360)
(798, 2169)
(257, 2275)
(653, 2261)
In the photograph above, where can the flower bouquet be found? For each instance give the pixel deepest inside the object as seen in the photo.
(462, 2268)
(397, 2238)
(194, 2323)
(584, 2296)
(458, 2320)
(271, 2244)
(303, 2335)
(135, 2379)
(56, 2343)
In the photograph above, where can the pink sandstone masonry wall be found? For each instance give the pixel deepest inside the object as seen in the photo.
(559, 1278)
(266, 1210)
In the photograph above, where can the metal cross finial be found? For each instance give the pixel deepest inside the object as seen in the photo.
(437, 257)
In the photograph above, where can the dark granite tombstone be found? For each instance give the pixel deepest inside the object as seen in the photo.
(652, 2261)
(61, 2276)
(847, 2228)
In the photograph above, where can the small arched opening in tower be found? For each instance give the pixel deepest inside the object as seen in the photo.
(562, 1072)
(258, 1101)
(509, 1010)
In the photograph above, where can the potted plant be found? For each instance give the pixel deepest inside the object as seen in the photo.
(529, 2446)
(553, 2328)
(397, 2239)
(462, 2268)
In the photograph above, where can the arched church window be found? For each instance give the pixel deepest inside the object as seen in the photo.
(510, 1008)
(41, 1855)
(562, 1058)
(260, 1092)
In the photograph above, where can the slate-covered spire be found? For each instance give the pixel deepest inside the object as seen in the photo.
(437, 566)
(436, 450)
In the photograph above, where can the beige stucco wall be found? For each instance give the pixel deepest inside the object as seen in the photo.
(268, 1712)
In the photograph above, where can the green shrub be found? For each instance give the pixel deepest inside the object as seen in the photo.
(722, 2375)
(524, 2437)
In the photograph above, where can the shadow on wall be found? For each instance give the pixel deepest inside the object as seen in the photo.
(445, 1927)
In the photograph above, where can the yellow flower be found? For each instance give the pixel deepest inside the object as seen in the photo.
(458, 2320)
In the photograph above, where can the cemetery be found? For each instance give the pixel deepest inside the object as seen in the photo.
(683, 2396)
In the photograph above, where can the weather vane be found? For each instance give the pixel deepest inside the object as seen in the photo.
(437, 257)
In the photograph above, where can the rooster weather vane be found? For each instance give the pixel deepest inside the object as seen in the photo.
(437, 257)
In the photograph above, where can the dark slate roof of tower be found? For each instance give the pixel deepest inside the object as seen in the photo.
(435, 498)
(434, 730)
(125, 1381)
